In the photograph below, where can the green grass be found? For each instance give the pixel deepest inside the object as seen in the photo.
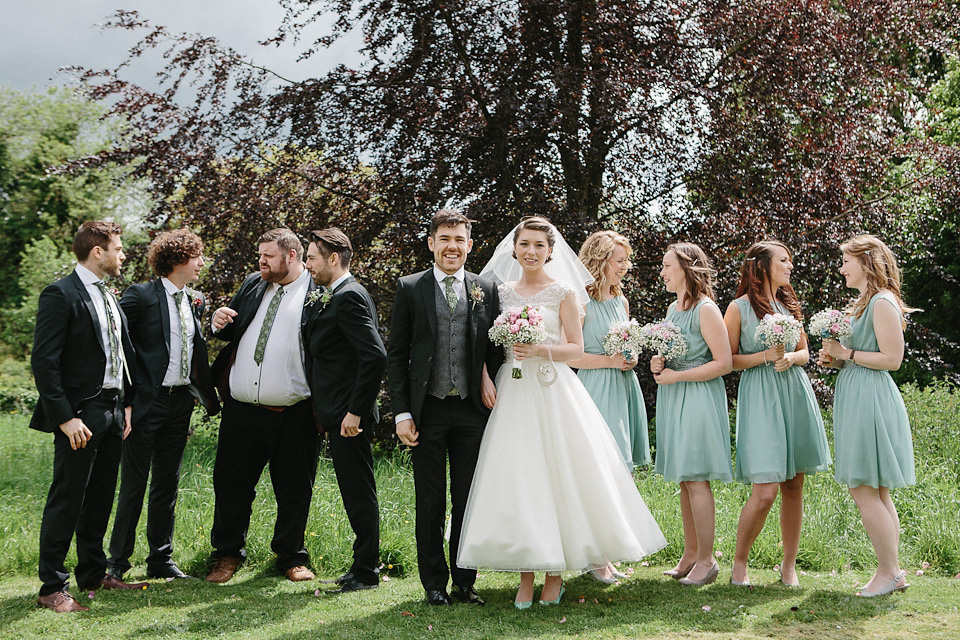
(258, 603)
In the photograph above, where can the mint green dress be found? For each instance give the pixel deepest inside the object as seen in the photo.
(871, 431)
(693, 427)
(617, 393)
(779, 426)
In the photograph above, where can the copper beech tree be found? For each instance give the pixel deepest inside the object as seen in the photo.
(715, 121)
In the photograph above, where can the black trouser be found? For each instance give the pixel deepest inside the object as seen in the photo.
(155, 446)
(353, 464)
(250, 437)
(81, 496)
(449, 427)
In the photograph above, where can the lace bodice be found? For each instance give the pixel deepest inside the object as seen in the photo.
(547, 301)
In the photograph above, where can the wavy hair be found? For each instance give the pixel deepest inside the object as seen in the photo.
(880, 266)
(595, 253)
(172, 248)
(696, 270)
(755, 274)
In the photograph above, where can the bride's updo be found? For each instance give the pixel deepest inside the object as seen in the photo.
(536, 223)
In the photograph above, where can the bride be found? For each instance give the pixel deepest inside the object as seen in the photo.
(550, 492)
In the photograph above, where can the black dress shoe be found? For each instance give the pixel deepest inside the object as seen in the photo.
(437, 597)
(354, 585)
(166, 571)
(468, 595)
(115, 572)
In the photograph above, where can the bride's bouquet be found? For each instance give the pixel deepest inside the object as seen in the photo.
(518, 324)
(665, 338)
(830, 324)
(623, 337)
(778, 329)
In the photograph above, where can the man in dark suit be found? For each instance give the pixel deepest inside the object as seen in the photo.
(267, 416)
(80, 353)
(439, 369)
(172, 370)
(347, 364)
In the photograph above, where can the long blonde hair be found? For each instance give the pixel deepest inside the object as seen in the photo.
(880, 266)
(696, 270)
(594, 253)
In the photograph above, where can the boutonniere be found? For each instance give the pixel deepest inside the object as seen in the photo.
(323, 297)
(476, 296)
(195, 297)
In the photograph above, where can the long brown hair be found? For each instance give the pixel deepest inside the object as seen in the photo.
(880, 266)
(594, 253)
(755, 273)
(696, 270)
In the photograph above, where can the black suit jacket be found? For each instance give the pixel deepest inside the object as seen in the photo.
(346, 357)
(69, 356)
(148, 313)
(245, 303)
(413, 335)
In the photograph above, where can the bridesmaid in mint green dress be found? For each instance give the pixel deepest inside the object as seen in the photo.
(693, 428)
(872, 441)
(610, 380)
(780, 435)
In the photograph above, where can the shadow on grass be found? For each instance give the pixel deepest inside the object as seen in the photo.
(263, 604)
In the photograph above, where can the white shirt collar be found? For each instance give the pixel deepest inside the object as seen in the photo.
(336, 283)
(440, 275)
(87, 276)
(169, 286)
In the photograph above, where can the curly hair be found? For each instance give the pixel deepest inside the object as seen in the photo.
(880, 266)
(755, 273)
(595, 253)
(696, 270)
(536, 223)
(172, 248)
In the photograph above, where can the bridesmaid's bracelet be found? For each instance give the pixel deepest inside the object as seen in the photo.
(852, 353)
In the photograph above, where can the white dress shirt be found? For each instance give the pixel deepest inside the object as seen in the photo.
(111, 379)
(280, 380)
(172, 376)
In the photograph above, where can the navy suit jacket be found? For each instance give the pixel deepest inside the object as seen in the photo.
(148, 313)
(345, 355)
(69, 357)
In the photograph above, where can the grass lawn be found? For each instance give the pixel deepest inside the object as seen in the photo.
(259, 603)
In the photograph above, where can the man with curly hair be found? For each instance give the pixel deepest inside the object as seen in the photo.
(173, 374)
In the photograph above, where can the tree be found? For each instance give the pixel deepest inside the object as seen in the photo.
(715, 121)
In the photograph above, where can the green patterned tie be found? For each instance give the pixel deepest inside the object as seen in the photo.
(111, 328)
(184, 362)
(450, 293)
(267, 325)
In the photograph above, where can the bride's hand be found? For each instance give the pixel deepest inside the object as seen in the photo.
(523, 350)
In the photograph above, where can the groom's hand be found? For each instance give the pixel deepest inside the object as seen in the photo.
(407, 432)
(350, 426)
(488, 390)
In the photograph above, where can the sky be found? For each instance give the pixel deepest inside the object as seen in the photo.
(40, 36)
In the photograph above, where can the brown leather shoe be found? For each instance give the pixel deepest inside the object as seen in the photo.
(223, 569)
(61, 602)
(299, 574)
(109, 582)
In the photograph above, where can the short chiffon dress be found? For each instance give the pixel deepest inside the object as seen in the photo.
(871, 430)
(693, 427)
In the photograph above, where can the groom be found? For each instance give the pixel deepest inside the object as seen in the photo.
(439, 365)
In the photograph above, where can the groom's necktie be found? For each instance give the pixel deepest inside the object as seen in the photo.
(112, 334)
(450, 293)
(184, 363)
(267, 325)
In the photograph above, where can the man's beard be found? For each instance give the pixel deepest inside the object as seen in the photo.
(276, 275)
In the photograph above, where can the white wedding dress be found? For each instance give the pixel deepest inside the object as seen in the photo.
(551, 491)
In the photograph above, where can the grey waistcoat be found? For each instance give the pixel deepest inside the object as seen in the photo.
(450, 355)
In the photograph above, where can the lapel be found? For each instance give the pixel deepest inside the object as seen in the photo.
(469, 282)
(164, 312)
(92, 310)
(428, 296)
(309, 310)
